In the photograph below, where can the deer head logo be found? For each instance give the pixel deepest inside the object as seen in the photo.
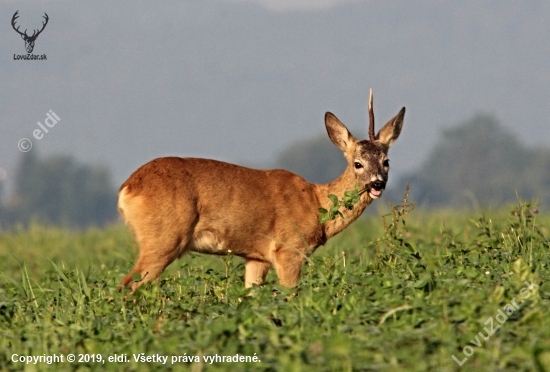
(29, 40)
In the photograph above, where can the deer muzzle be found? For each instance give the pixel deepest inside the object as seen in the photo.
(375, 189)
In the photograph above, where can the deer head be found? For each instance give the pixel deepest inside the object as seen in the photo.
(29, 40)
(367, 158)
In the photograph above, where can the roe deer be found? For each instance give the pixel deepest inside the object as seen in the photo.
(268, 217)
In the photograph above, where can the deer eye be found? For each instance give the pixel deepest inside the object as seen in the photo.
(358, 165)
(386, 163)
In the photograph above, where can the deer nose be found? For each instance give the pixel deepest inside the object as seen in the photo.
(378, 185)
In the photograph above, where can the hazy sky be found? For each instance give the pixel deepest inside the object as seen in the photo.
(298, 5)
(240, 80)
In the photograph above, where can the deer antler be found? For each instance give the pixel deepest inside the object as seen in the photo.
(35, 34)
(372, 136)
(15, 16)
(24, 34)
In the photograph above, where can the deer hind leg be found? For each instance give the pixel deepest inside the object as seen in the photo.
(162, 236)
(155, 255)
(288, 263)
(255, 272)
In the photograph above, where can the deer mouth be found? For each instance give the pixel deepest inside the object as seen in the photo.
(375, 189)
(375, 194)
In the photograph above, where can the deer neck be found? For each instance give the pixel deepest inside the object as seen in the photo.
(346, 182)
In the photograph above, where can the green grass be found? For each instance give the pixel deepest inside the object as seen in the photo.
(401, 298)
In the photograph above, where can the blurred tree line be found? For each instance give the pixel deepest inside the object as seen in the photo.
(57, 190)
(318, 160)
(477, 163)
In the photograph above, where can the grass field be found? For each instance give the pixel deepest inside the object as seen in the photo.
(401, 298)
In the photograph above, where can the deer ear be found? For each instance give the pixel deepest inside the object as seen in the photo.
(389, 133)
(338, 133)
